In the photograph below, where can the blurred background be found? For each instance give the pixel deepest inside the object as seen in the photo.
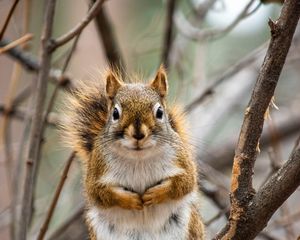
(216, 50)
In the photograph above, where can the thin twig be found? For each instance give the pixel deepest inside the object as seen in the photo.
(9, 15)
(203, 7)
(36, 126)
(79, 27)
(26, 59)
(169, 32)
(216, 217)
(21, 114)
(285, 220)
(31, 63)
(18, 170)
(287, 127)
(27, 37)
(195, 34)
(109, 40)
(51, 209)
(230, 72)
(276, 162)
(78, 213)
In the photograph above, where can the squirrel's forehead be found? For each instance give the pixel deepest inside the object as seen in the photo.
(137, 94)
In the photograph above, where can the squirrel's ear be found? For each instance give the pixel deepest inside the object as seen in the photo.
(160, 83)
(112, 84)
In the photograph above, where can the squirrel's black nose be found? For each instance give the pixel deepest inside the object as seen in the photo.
(138, 136)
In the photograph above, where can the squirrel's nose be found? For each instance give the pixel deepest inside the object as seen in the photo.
(138, 136)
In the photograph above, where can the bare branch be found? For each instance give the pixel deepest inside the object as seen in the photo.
(202, 8)
(74, 222)
(27, 37)
(9, 15)
(169, 32)
(51, 209)
(231, 71)
(241, 186)
(36, 126)
(270, 197)
(109, 40)
(195, 34)
(286, 127)
(24, 58)
(79, 27)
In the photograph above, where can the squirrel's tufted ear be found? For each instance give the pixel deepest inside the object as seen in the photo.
(112, 84)
(160, 83)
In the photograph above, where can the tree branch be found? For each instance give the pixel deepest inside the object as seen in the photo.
(231, 71)
(269, 198)
(36, 126)
(51, 209)
(27, 37)
(195, 34)
(79, 27)
(31, 63)
(241, 185)
(9, 15)
(169, 32)
(24, 58)
(286, 128)
(109, 40)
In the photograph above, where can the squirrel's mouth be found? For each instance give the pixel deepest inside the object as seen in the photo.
(137, 148)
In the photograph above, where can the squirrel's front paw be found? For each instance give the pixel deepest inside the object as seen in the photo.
(129, 200)
(157, 194)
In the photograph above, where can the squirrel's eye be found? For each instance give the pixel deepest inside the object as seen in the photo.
(159, 113)
(116, 114)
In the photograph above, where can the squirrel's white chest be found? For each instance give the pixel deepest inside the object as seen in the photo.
(140, 174)
(166, 221)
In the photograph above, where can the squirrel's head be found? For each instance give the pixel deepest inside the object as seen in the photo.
(137, 117)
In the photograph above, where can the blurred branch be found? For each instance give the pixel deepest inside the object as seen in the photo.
(230, 72)
(9, 15)
(36, 126)
(272, 1)
(52, 206)
(276, 158)
(179, 44)
(27, 37)
(195, 34)
(242, 191)
(73, 228)
(221, 156)
(203, 7)
(24, 58)
(55, 43)
(20, 114)
(246, 62)
(286, 220)
(31, 63)
(169, 32)
(109, 40)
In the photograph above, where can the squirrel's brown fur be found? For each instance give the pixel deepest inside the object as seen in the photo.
(87, 129)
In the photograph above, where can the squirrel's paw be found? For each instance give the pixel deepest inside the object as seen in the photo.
(129, 200)
(156, 194)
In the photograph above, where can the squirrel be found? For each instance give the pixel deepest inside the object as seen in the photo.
(140, 179)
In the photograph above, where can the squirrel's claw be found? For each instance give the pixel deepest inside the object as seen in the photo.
(129, 200)
(156, 194)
